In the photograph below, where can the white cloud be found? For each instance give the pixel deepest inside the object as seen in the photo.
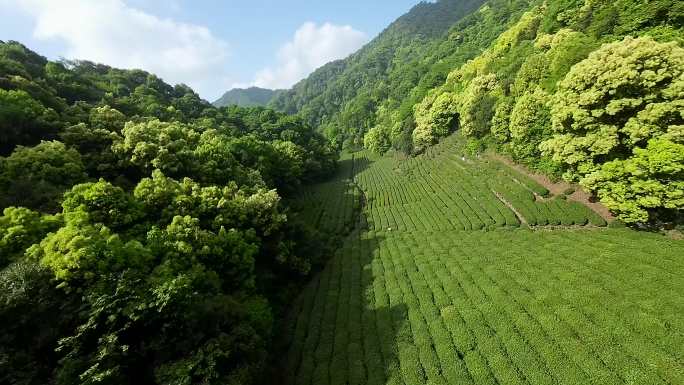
(113, 33)
(311, 47)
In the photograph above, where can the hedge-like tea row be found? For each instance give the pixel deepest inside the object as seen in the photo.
(498, 307)
(332, 207)
(419, 294)
(441, 190)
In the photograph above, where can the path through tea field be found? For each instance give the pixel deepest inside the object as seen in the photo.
(460, 270)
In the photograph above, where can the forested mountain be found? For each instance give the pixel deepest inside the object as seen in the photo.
(143, 237)
(506, 75)
(246, 97)
(343, 97)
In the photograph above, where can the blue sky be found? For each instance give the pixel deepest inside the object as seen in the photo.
(211, 45)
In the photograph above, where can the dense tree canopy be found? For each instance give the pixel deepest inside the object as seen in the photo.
(144, 226)
(37, 176)
(618, 118)
(622, 95)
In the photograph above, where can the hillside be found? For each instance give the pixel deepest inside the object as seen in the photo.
(246, 97)
(343, 96)
(506, 75)
(457, 270)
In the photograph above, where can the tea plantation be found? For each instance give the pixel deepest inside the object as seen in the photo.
(460, 270)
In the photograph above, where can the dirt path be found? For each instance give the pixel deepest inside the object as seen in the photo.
(522, 219)
(557, 188)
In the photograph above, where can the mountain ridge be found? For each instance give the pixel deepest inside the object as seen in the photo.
(246, 97)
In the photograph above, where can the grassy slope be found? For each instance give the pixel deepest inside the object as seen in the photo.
(420, 293)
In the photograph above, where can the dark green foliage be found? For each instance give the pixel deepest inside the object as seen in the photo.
(23, 120)
(34, 314)
(36, 177)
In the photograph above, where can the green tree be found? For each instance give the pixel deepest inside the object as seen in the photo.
(81, 252)
(436, 116)
(36, 177)
(34, 314)
(477, 105)
(20, 228)
(23, 120)
(167, 146)
(600, 105)
(530, 123)
(377, 140)
(610, 112)
(649, 185)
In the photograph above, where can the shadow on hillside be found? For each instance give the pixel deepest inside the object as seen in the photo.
(349, 168)
(343, 328)
(347, 330)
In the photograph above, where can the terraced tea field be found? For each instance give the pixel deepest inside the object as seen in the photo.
(463, 271)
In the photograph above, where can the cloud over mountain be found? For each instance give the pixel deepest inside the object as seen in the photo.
(311, 46)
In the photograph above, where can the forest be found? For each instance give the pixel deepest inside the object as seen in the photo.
(144, 237)
(489, 192)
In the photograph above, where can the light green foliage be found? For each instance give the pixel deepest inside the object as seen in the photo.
(478, 90)
(159, 145)
(79, 251)
(532, 73)
(608, 108)
(530, 123)
(107, 118)
(501, 119)
(638, 187)
(524, 29)
(183, 245)
(599, 104)
(19, 229)
(436, 117)
(377, 140)
(216, 163)
(217, 206)
(389, 131)
(37, 176)
(562, 50)
(103, 203)
(477, 105)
